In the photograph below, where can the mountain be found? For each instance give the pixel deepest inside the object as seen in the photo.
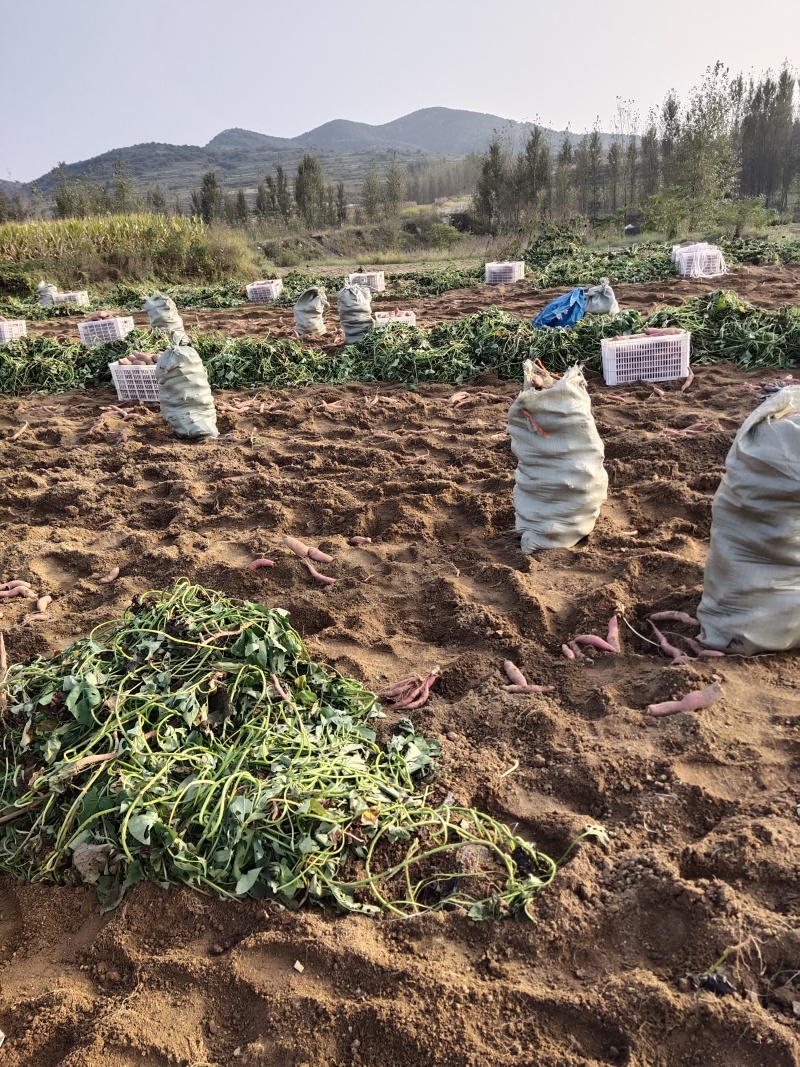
(345, 148)
(441, 131)
(247, 139)
(12, 188)
(341, 134)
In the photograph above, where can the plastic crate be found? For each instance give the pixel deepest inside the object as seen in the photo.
(646, 358)
(80, 297)
(504, 273)
(263, 291)
(104, 331)
(404, 318)
(373, 279)
(12, 330)
(135, 383)
(700, 260)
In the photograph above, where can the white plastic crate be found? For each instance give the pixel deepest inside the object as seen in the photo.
(79, 297)
(135, 383)
(405, 318)
(659, 358)
(700, 260)
(373, 279)
(104, 331)
(504, 273)
(12, 330)
(263, 291)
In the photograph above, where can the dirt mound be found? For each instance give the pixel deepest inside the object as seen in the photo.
(702, 807)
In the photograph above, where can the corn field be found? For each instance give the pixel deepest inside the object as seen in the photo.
(120, 234)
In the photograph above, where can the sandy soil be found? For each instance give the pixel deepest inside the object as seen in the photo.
(702, 806)
(768, 287)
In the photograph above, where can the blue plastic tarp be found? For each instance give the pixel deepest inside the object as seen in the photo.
(565, 310)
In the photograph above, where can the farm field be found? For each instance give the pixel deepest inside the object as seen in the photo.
(702, 808)
(763, 286)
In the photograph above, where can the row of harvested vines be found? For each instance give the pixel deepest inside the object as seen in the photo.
(722, 327)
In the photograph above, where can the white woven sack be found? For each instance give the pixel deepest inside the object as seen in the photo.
(163, 315)
(355, 311)
(751, 586)
(45, 292)
(560, 481)
(600, 299)
(184, 393)
(309, 310)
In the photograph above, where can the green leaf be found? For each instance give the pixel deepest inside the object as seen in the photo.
(141, 825)
(247, 881)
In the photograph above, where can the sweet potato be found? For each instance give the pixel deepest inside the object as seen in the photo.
(593, 641)
(515, 675)
(296, 546)
(316, 574)
(694, 701)
(318, 555)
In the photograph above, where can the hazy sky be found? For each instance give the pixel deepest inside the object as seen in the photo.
(81, 77)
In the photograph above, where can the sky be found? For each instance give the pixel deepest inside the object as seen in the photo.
(84, 77)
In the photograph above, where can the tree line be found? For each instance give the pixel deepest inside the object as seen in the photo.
(279, 197)
(732, 148)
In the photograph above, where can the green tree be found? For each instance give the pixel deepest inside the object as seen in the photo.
(371, 194)
(562, 182)
(265, 200)
(650, 160)
(242, 210)
(283, 195)
(393, 188)
(632, 170)
(581, 175)
(670, 130)
(330, 206)
(79, 196)
(768, 161)
(156, 201)
(595, 162)
(341, 205)
(534, 173)
(492, 188)
(209, 202)
(122, 198)
(614, 162)
(309, 191)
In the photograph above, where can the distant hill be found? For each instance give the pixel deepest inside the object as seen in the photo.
(440, 131)
(248, 140)
(345, 148)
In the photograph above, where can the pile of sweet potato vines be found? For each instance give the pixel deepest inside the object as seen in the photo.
(194, 742)
(722, 327)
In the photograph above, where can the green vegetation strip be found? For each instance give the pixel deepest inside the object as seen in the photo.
(722, 327)
(559, 257)
(194, 742)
